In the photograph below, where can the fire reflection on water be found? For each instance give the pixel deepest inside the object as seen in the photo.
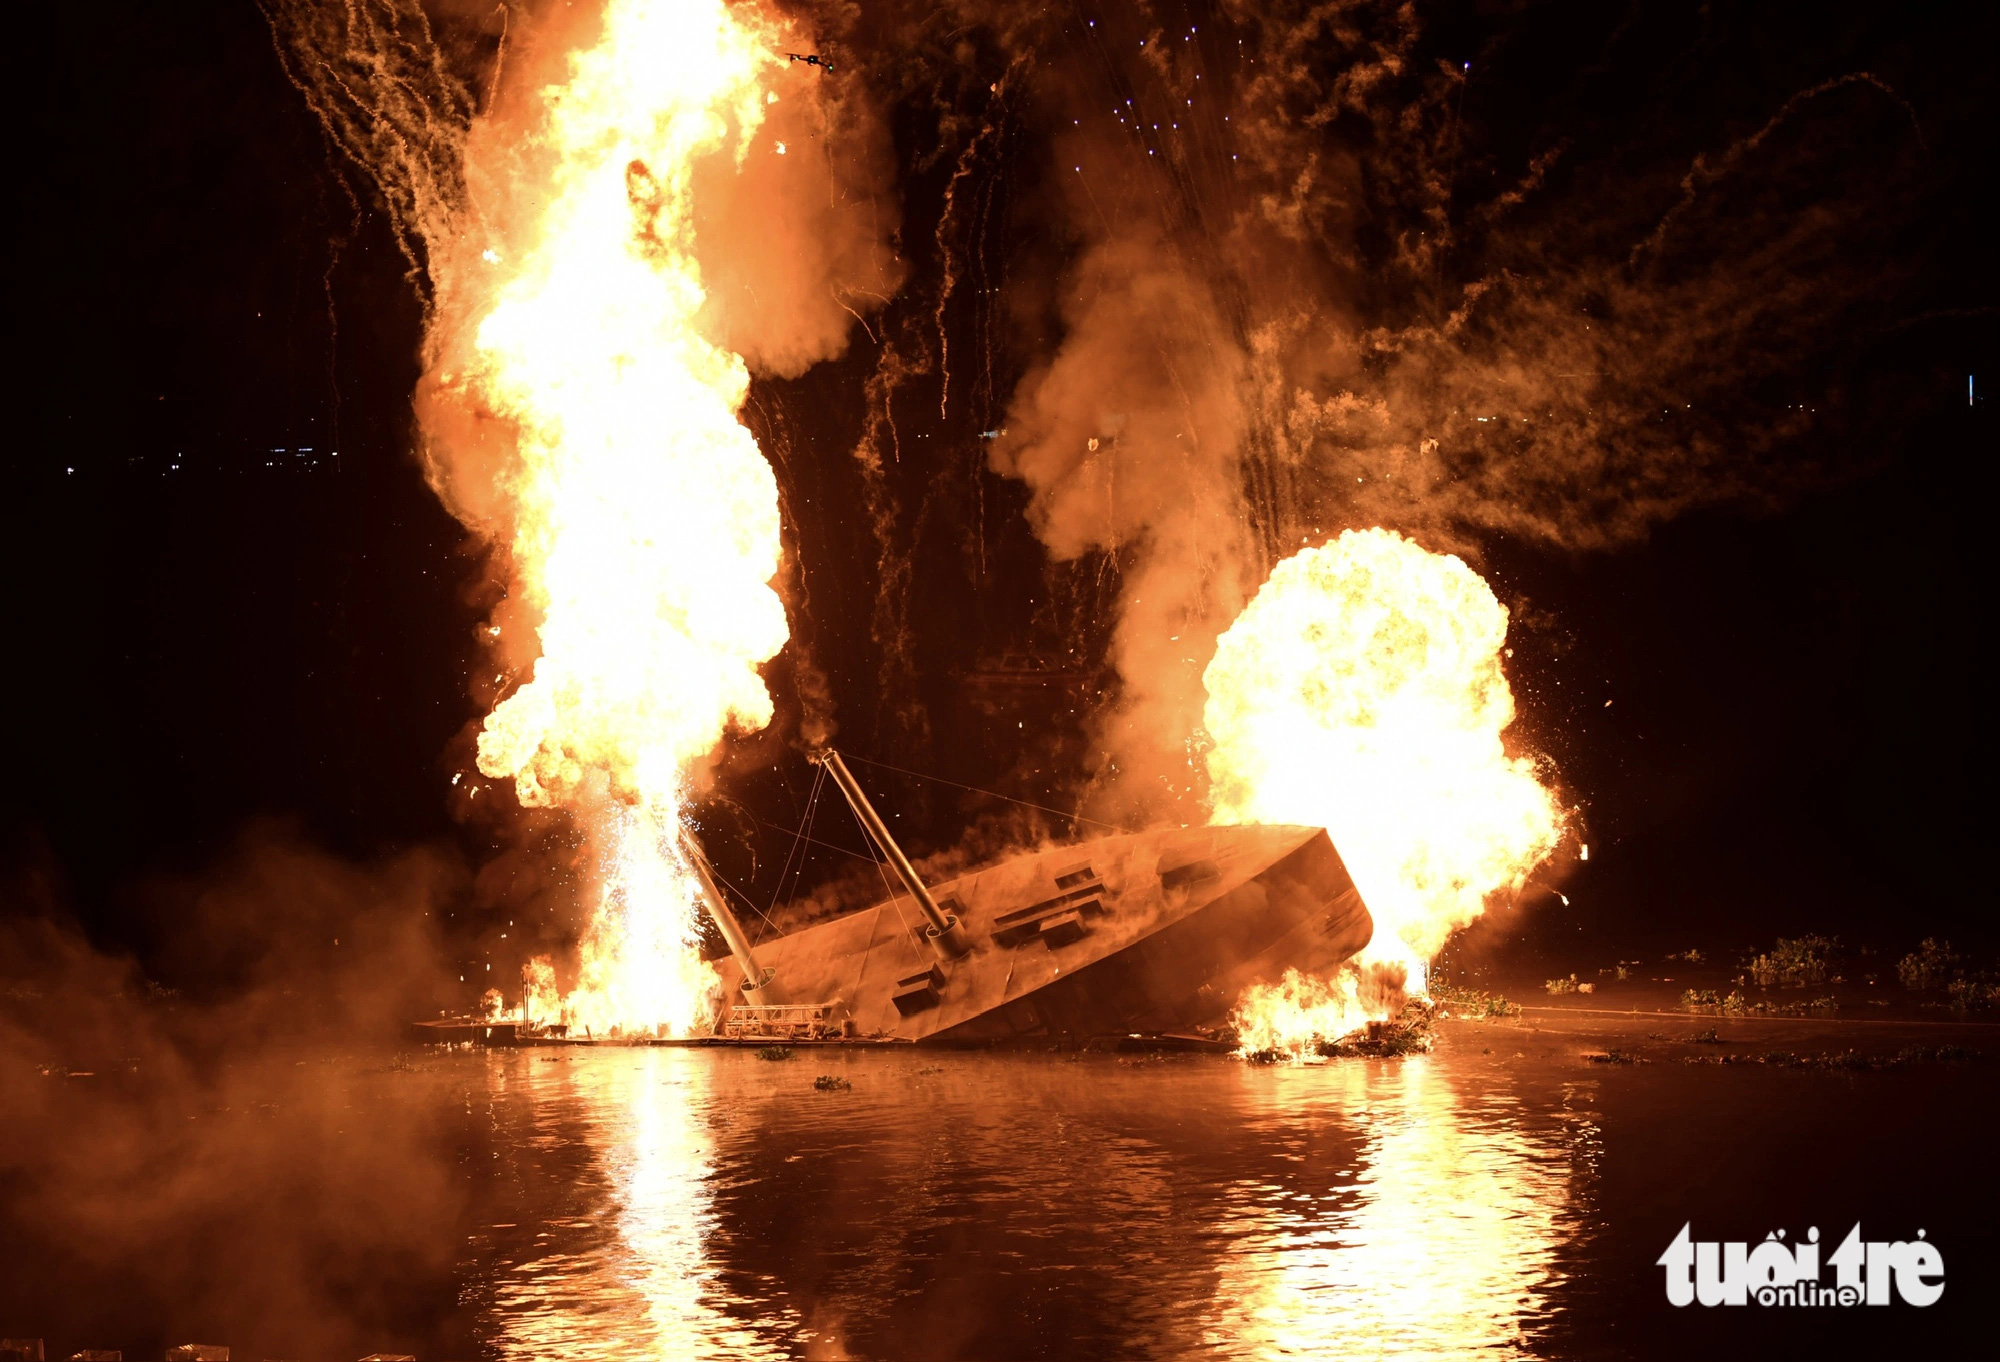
(1445, 1242)
(648, 1289)
(713, 1206)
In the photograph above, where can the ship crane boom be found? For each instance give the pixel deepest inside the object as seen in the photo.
(756, 982)
(944, 935)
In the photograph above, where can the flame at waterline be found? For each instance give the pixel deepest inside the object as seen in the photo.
(1361, 691)
(645, 519)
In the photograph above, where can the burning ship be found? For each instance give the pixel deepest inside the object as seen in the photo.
(1140, 934)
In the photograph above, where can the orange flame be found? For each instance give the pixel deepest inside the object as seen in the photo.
(1361, 691)
(541, 1003)
(1295, 1014)
(645, 519)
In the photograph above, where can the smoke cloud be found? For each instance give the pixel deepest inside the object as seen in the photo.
(1131, 440)
(1303, 295)
(172, 1106)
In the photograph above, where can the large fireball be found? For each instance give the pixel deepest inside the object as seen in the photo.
(1361, 691)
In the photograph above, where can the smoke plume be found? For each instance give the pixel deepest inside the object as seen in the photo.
(1304, 293)
(173, 1104)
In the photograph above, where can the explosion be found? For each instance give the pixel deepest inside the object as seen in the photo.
(1361, 691)
(645, 530)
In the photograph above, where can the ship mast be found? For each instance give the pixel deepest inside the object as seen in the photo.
(943, 934)
(756, 982)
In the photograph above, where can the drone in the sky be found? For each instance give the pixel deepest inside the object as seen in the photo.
(811, 59)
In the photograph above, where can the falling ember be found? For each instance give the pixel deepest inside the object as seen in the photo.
(644, 519)
(1361, 691)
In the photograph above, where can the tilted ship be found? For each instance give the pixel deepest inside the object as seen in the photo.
(1145, 934)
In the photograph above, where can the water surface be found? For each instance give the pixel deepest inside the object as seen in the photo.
(1500, 1197)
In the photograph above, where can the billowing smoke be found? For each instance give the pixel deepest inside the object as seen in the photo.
(1303, 295)
(1132, 439)
(175, 1096)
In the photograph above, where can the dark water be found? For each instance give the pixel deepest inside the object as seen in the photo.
(1501, 1196)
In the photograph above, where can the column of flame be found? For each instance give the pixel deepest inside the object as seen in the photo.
(645, 518)
(1361, 691)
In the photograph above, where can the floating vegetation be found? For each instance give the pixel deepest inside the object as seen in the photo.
(1736, 1005)
(1614, 1057)
(1851, 1060)
(1931, 966)
(1692, 957)
(1973, 995)
(830, 1083)
(774, 1052)
(1561, 986)
(1472, 1002)
(1795, 962)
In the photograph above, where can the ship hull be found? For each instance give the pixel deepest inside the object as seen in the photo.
(1147, 933)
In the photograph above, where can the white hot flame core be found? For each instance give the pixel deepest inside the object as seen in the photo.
(646, 531)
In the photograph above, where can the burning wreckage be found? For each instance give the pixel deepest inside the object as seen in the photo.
(1150, 934)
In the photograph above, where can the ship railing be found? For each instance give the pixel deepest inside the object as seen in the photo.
(785, 1021)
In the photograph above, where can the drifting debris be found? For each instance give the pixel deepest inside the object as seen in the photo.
(198, 1352)
(774, 1052)
(1692, 957)
(1561, 986)
(1409, 1034)
(1382, 1040)
(1614, 1057)
(831, 1083)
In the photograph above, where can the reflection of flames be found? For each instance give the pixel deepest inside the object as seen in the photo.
(1361, 691)
(1445, 1245)
(645, 520)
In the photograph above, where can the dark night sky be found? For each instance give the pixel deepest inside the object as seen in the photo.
(204, 631)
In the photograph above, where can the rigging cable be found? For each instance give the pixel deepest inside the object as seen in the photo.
(919, 775)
